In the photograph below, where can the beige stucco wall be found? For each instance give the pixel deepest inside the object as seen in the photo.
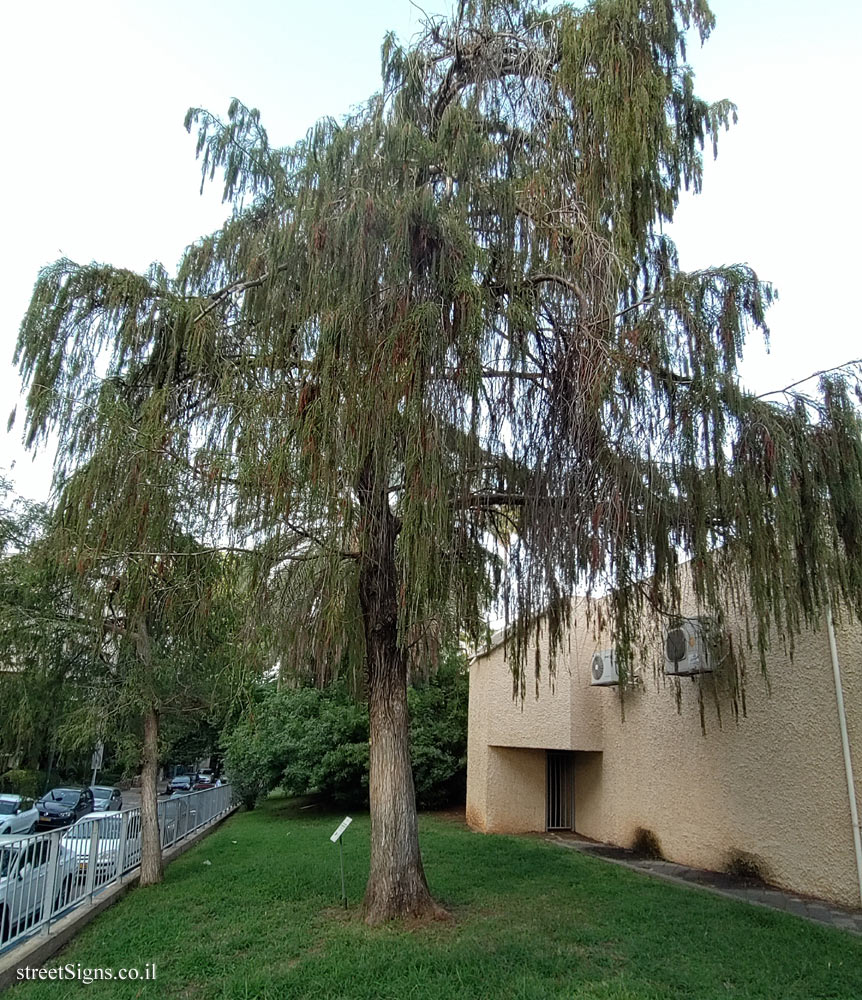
(769, 785)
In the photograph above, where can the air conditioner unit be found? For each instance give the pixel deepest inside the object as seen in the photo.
(685, 649)
(604, 669)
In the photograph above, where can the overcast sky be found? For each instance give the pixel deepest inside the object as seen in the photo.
(97, 166)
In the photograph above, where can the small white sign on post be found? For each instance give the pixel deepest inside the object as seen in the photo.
(336, 838)
(345, 823)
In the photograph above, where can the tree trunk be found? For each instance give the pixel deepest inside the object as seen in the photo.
(396, 884)
(151, 845)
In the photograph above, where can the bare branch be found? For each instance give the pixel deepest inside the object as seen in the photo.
(846, 368)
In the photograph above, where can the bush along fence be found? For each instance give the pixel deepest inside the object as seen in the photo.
(44, 876)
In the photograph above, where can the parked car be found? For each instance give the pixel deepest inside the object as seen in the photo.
(106, 799)
(17, 814)
(62, 806)
(23, 870)
(77, 841)
(182, 783)
(203, 783)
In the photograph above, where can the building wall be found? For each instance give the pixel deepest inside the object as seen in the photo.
(768, 786)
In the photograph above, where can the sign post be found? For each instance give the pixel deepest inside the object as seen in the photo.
(339, 833)
(96, 761)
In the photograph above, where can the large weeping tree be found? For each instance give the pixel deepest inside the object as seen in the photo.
(448, 326)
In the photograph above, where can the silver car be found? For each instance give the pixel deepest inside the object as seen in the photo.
(106, 799)
(17, 814)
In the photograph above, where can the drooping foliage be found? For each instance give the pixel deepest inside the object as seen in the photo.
(442, 352)
(42, 653)
(69, 672)
(44, 657)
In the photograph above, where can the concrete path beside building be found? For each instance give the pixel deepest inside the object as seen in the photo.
(749, 891)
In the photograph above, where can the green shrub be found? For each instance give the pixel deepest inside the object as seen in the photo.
(438, 735)
(310, 741)
(247, 762)
(30, 784)
(324, 740)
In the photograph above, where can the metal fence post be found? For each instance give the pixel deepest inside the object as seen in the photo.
(162, 820)
(93, 858)
(121, 847)
(49, 890)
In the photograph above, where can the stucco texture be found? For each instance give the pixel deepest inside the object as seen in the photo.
(768, 787)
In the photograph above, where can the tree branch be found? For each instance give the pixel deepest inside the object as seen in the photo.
(856, 363)
(236, 288)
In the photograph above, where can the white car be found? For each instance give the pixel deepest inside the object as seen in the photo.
(17, 815)
(23, 870)
(77, 841)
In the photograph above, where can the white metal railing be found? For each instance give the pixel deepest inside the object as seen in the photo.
(45, 875)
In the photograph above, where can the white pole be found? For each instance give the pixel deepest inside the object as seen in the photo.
(845, 745)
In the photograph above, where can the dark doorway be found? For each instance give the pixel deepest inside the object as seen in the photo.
(561, 790)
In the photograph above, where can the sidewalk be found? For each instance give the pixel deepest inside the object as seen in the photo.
(816, 910)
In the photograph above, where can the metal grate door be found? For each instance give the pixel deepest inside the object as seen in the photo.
(561, 790)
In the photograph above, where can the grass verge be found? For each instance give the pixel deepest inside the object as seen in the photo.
(252, 912)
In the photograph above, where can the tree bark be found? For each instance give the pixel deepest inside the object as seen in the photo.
(151, 845)
(396, 884)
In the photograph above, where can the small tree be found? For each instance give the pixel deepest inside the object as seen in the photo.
(103, 645)
(454, 317)
(166, 649)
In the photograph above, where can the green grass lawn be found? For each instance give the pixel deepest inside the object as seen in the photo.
(532, 920)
